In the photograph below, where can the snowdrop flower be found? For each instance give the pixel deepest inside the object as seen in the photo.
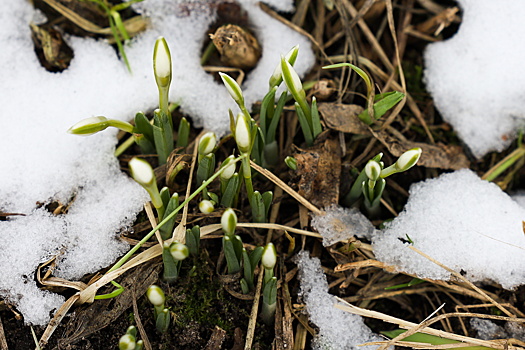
(162, 63)
(292, 80)
(206, 206)
(179, 251)
(143, 173)
(207, 143)
(229, 221)
(373, 170)
(127, 342)
(156, 296)
(229, 168)
(233, 88)
(408, 159)
(90, 126)
(242, 133)
(269, 256)
(277, 76)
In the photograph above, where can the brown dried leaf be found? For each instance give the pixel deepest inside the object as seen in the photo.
(434, 156)
(319, 170)
(343, 118)
(54, 54)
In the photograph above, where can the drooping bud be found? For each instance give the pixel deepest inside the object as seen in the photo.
(206, 206)
(229, 168)
(143, 174)
(89, 126)
(229, 221)
(207, 143)
(179, 251)
(408, 159)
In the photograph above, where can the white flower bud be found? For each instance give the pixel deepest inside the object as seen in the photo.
(155, 295)
(408, 159)
(277, 77)
(229, 168)
(127, 342)
(179, 251)
(142, 172)
(206, 206)
(242, 133)
(233, 88)
(162, 63)
(291, 79)
(373, 170)
(207, 143)
(89, 126)
(269, 256)
(229, 221)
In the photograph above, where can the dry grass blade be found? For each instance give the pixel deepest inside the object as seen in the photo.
(3, 340)
(209, 229)
(425, 329)
(298, 29)
(270, 176)
(140, 327)
(55, 321)
(132, 25)
(250, 332)
(464, 279)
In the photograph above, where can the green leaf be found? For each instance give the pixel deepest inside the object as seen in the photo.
(193, 237)
(248, 270)
(143, 126)
(265, 117)
(316, 122)
(270, 135)
(171, 267)
(183, 133)
(385, 102)
(231, 191)
(305, 126)
(229, 254)
(163, 321)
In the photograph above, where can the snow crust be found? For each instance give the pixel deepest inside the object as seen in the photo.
(338, 224)
(466, 223)
(477, 78)
(42, 163)
(337, 329)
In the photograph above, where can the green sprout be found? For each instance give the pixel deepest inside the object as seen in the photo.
(231, 243)
(370, 182)
(116, 25)
(250, 262)
(268, 260)
(129, 340)
(161, 314)
(308, 115)
(378, 105)
(150, 136)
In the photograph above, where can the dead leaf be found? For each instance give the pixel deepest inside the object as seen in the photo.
(319, 170)
(434, 156)
(54, 54)
(343, 118)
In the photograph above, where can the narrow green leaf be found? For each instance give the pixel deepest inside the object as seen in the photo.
(305, 126)
(229, 254)
(183, 133)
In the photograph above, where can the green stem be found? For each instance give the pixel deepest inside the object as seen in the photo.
(132, 251)
(119, 124)
(124, 146)
(247, 174)
(164, 103)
